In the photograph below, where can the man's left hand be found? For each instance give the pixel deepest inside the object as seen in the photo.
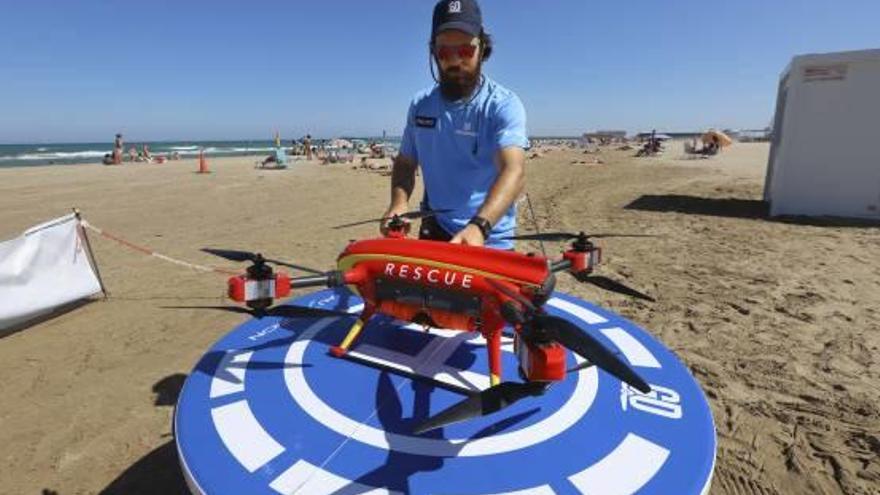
(470, 235)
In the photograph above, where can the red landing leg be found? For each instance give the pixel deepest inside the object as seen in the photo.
(341, 349)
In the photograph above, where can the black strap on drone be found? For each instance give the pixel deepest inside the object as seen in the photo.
(430, 229)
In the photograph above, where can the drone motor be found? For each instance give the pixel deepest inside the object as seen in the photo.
(540, 362)
(583, 260)
(255, 291)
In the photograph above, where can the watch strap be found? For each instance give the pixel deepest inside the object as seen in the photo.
(484, 225)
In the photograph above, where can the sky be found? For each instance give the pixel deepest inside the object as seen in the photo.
(80, 71)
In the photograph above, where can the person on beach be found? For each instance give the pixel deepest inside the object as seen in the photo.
(118, 146)
(132, 154)
(468, 135)
(307, 143)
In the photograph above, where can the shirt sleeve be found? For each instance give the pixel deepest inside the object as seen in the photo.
(510, 129)
(408, 142)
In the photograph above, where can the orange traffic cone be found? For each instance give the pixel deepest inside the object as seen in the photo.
(203, 163)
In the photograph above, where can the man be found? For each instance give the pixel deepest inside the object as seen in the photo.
(468, 135)
(118, 144)
(307, 144)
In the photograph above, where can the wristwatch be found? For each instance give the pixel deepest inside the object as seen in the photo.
(484, 225)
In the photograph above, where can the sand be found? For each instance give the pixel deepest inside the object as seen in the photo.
(778, 321)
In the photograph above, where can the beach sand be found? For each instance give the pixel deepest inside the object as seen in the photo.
(778, 321)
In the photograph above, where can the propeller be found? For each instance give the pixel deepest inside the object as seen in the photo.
(277, 311)
(236, 255)
(491, 400)
(410, 215)
(612, 285)
(585, 345)
(582, 366)
(536, 326)
(232, 254)
(539, 325)
(566, 236)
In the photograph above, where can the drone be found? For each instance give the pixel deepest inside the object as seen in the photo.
(457, 287)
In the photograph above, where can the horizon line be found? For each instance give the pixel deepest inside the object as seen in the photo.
(351, 136)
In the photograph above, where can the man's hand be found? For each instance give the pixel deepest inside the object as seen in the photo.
(470, 236)
(403, 180)
(389, 213)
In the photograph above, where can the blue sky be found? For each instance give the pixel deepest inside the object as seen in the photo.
(81, 71)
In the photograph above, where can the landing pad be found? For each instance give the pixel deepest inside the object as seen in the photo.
(267, 410)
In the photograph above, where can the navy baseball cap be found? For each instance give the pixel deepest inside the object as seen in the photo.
(463, 15)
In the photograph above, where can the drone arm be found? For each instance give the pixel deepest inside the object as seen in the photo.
(329, 279)
(560, 266)
(511, 313)
(304, 282)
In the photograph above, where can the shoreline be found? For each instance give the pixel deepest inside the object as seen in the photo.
(26, 155)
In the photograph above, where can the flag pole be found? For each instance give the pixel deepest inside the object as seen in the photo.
(92, 260)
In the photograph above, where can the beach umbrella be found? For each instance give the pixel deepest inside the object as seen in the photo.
(723, 139)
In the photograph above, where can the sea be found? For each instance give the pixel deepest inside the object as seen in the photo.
(28, 155)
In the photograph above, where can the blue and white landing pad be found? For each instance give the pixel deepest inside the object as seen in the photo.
(267, 410)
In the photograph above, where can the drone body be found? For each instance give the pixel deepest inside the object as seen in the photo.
(457, 287)
(451, 286)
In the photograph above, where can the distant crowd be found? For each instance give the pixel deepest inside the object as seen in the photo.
(323, 150)
(135, 155)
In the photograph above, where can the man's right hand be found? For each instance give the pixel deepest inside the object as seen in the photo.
(403, 178)
(389, 214)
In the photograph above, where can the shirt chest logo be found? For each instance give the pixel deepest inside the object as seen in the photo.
(466, 130)
(429, 122)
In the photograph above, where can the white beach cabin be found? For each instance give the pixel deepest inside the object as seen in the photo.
(825, 151)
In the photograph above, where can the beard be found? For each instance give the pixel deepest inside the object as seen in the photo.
(456, 83)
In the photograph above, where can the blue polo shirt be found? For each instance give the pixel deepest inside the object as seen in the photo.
(455, 144)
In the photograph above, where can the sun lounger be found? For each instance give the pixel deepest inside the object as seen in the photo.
(278, 159)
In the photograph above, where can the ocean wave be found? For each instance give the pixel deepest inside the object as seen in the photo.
(210, 149)
(241, 150)
(215, 150)
(223, 150)
(42, 154)
(58, 155)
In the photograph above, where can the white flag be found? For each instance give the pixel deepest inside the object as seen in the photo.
(44, 268)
